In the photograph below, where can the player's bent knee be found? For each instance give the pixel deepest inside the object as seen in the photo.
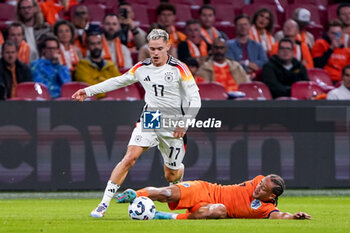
(129, 160)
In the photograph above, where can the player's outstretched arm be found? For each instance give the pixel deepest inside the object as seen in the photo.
(79, 95)
(286, 215)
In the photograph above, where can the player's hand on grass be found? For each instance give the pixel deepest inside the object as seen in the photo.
(301, 215)
(80, 95)
(179, 132)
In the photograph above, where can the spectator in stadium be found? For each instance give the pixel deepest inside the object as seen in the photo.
(47, 70)
(113, 49)
(69, 53)
(249, 53)
(166, 15)
(256, 198)
(207, 20)
(283, 70)
(193, 65)
(51, 9)
(343, 13)
(169, 85)
(12, 71)
(130, 35)
(94, 69)
(81, 23)
(144, 51)
(29, 14)
(329, 52)
(194, 45)
(342, 92)
(262, 28)
(301, 50)
(221, 69)
(303, 18)
(15, 32)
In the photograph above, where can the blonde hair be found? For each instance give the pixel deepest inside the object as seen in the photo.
(156, 34)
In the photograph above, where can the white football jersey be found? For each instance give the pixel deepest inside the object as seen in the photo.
(170, 86)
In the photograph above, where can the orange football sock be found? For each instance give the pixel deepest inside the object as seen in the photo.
(142, 193)
(182, 216)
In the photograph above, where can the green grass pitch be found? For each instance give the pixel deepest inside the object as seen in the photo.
(64, 214)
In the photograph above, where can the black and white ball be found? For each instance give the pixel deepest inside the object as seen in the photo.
(142, 208)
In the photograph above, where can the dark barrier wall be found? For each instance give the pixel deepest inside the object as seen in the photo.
(72, 146)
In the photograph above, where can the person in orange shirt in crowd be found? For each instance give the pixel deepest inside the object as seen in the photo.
(166, 14)
(69, 53)
(301, 50)
(262, 28)
(329, 52)
(50, 10)
(207, 20)
(113, 49)
(16, 34)
(1, 38)
(221, 69)
(194, 46)
(255, 199)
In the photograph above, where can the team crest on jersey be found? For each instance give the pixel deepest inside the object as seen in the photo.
(169, 77)
(185, 185)
(255, 204)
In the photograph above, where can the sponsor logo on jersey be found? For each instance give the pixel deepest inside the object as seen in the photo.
(185, 185)
(255, 204)
(147, 79)
(151, 120)
(169, 76)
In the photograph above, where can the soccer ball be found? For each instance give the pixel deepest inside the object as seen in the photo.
(142, 208)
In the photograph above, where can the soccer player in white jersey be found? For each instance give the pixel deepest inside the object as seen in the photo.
(169, 85)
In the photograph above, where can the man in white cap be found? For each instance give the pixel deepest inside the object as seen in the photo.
(303, 17)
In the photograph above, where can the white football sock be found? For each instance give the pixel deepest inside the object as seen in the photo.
(110, 191)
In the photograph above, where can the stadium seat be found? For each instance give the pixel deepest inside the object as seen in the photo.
(304, 90)
(8, 13)
(130, 92)
(228, 28)
(238, 3)
(225, 13)
(332, 11)
(32, 91)
(321, 77)
(256, 90)
(212, 91)
(141, 15)
(183, 13)
(280, 4)
(68, 89)
(322, 4)
(192, 3)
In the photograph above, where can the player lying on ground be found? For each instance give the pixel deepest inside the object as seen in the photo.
(169, 85)
(256, 198)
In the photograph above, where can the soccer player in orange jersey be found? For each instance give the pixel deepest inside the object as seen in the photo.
(256, 198)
